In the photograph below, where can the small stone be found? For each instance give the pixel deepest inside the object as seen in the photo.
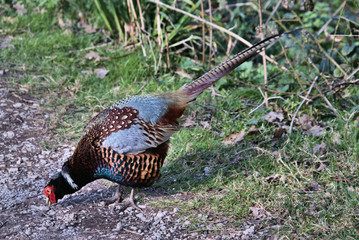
(17, 105)
(160, 215)
(119, 227)
(13, 170)
(187, 223)
(207, 171)
(40, 208)
(219, 225)
(9, 134)
(175, 210)
(142, 217)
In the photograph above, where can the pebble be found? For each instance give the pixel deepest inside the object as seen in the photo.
(13, 170)
(186, 223)
(17, 105)
(142, 217)
(119, 227)
(207, 171)
(40, 208)
(9, 134)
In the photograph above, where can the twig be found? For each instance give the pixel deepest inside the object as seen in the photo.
(328, 103)
(138, 28)
(265, 88)
(203, 34)
(210, 32)
(260, 105)
(279, 159)
(167, 48)
(274, 10)
(219, 28)
(181, 42)
(330, 19)
(92, 47)
(264, 52)
(159, 33)
(301, 104)
(130, 231)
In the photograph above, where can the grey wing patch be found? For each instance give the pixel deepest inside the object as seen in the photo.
(151, 107)
(138, 138)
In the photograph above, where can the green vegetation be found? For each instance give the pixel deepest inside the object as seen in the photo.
(306, 182)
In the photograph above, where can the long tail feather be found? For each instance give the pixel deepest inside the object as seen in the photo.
(200, 84)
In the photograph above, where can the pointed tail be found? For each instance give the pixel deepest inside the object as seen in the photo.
(195, 88)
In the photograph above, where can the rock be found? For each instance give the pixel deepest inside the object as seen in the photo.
(207, 171)
(13, 170)
(119, 227)
(142, 217)
(40, 208)
(9, 134)
(175, 210)
(17, 105)
(187, 223)
(160, 215)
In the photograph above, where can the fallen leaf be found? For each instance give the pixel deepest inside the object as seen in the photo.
(351, 189)
(6, 43)
(205, 124)
(188, 147)
(86, 72)
(9, 19)
(336, 138)
(272, 116)
(315, 186)
(61, 22)
(305, 122)
(253, 130)
(319, 148)
(189, 122)
(321, 167)
(278, 133)
(93, 55)
(316, 131)
(272, 177)
(20, 8)
(257, 212)
(183, 74)
(88, 28)
(233, 138)
(101, 72)
(130, 28)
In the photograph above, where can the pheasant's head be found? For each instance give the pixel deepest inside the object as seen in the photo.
(50, 194)
(58, 187)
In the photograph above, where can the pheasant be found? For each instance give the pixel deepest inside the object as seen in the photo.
(128, 142)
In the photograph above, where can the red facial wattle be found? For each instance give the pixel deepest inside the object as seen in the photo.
(49, 192)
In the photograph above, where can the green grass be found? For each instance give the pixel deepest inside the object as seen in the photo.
(309, 194)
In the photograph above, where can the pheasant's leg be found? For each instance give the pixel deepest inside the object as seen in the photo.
(116, 198)
(132, 202)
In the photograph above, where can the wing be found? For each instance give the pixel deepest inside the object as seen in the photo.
(132, 127)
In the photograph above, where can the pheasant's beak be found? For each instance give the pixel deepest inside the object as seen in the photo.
(48, 202)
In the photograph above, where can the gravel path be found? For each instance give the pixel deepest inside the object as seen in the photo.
(25, 168)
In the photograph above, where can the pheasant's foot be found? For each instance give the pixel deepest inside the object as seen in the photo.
(129, 202)
(116, 198)
(132, 202)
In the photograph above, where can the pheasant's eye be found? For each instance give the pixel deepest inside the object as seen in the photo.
(48, 191)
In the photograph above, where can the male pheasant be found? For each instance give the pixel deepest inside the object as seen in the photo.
(128, 142)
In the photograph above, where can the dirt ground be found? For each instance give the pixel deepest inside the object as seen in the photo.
(26, 167)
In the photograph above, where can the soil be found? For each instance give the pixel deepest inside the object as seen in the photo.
(26, 167)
